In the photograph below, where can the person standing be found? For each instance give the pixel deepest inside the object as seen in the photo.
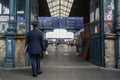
(56, 44)
(68, 43)
(35, 47)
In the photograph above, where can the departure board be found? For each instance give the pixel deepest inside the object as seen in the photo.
(61, 22)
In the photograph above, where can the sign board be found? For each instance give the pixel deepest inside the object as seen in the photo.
(4, 18)
(21, 18)
(109, 17)
(62, 23)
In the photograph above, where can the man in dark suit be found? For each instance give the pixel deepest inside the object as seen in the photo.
(35, 43)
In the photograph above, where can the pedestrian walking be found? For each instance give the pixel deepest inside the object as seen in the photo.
(56, 44)
(68, 43)
(35, 47)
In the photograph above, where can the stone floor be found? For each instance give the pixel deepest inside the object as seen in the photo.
(62, 64)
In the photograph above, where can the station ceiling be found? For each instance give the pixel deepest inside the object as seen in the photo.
(60, 8)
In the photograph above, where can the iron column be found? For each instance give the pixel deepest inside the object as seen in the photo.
(10, 38)
(102, 31)
(28, 15)
(27, 29)
(117, 24)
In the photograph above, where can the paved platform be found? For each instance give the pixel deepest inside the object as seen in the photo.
(62, 64)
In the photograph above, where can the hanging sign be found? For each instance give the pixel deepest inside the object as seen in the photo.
(109, 17)
(4, 18)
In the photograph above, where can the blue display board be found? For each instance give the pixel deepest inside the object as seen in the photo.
(63, 22)
(56, 22)
(46, 22)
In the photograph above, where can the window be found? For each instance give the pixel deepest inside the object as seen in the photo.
(0, 6)
(5, 6)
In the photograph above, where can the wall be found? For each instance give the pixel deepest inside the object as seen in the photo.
(19, 51)
(110, 51)
(2, 50)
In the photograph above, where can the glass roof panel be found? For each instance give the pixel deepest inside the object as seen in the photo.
(57, 11)
(57, 7)
(57, 15)
(48, 1)
(64, 2)
(69, 5)
(60, 7)
(50, 4)
(71, 1)
(55, 3)
(67, 9)
(63, 7)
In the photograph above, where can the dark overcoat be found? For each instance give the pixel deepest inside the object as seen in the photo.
(35, 42)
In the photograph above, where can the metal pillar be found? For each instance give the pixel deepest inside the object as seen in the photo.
(10, 38)
(28, 15)
(102, 31)
(15, 15)
(28, 20)
(117, 21)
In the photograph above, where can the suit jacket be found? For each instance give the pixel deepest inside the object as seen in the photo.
(35, 42)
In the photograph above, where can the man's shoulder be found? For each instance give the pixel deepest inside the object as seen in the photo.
(30, 32)
(34, 31)
(40, 32)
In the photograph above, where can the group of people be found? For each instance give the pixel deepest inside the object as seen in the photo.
(36, 48)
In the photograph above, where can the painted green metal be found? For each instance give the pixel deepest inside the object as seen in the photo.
(102, 32)
(28, 23)
(10, 39)
(28, 15)
(97, 37)
(117, 20)
(95, 49)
